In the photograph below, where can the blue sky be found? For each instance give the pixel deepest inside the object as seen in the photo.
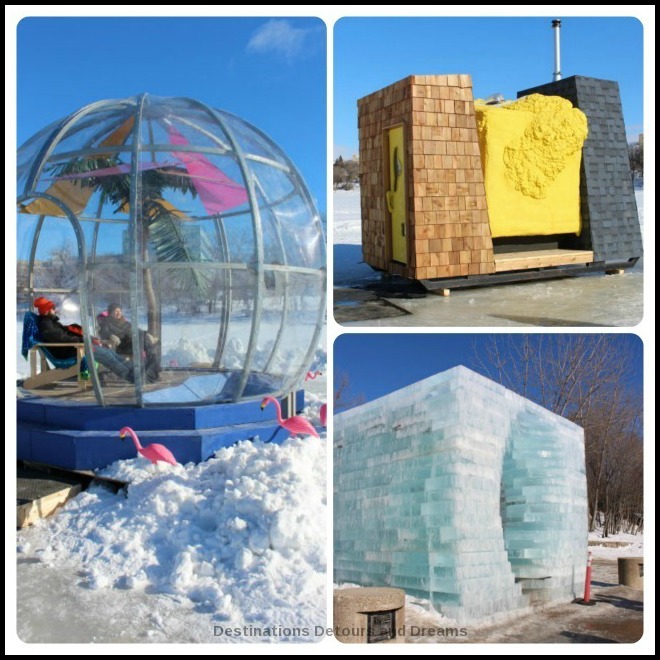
(271, 72)
(502, 55)
(377, 364)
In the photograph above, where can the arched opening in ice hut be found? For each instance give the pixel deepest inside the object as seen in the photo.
(196, 225)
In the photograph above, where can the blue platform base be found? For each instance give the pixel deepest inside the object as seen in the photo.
(86, 436)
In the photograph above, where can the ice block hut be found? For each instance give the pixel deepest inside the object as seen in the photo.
(456, 192)
(461, 492)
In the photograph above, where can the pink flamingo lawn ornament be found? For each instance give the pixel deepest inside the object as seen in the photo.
(311, 375)
(295, 425)
(323, 414)
(154, 452)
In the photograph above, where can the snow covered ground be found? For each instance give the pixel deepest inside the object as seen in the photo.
(617, 545)
(589, 300)
(237, 541)
(348, 267)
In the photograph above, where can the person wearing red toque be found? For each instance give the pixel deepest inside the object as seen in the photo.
(52, 331)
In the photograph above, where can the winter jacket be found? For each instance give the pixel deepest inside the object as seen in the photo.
(52, 331)
(120, 328)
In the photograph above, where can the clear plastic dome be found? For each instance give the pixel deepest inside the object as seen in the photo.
(192, 221)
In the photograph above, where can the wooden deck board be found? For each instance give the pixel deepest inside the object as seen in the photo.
(507, 261)
(115, 390)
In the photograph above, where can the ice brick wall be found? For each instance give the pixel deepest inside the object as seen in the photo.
(463, 492)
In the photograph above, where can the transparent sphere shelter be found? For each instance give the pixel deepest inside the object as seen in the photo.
(192, 221)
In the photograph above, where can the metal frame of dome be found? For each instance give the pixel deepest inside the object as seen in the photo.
(54, 133)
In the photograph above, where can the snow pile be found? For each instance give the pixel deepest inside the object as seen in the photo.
(240, 537)
(314, 401)
(185, 352)
(236, 350)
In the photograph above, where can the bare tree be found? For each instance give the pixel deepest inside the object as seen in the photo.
(636, 158)
(588, 379)
(60, 270)
(613, 452)
(345, 173)
(343, 398)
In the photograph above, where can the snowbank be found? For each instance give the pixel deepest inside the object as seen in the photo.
(632, 545)
(240, 539)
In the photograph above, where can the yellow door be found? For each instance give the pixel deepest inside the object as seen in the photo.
(396, 195)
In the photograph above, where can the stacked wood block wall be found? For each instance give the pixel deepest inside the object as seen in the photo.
(448, 234)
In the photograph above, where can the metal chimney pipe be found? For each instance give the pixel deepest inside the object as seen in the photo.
(556, 26)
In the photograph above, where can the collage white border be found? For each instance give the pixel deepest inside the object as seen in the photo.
(645, 329)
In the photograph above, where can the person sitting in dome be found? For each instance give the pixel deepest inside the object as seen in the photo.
(52, 331)
(116, 329)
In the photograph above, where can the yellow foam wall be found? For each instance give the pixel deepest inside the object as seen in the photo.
(531, 151)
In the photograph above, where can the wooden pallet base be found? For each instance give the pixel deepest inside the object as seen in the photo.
(29, 512)
(43, 489)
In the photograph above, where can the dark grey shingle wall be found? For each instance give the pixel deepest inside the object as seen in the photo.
(609, 211)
